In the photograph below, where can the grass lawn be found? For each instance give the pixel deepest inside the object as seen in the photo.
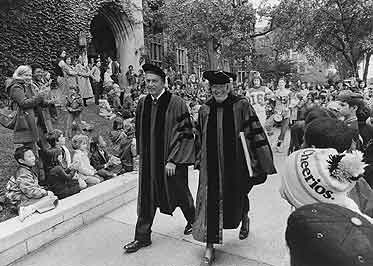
(8, 164)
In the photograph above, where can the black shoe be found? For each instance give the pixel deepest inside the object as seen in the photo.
(188, 229)
(136, 245)
(245, 229)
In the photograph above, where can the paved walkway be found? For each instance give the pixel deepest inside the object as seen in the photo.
(100, 243)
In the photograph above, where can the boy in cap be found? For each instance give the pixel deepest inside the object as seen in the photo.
(331, 133)
(224, 180)
(321, 172)
(165, 143)
(329, 235)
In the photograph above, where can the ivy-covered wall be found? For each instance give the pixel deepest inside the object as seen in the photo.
(36, 30)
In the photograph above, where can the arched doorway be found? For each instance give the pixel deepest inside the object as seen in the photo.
(115, 33)
(103, 42)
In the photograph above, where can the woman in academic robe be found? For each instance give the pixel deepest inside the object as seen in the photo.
(224, 179)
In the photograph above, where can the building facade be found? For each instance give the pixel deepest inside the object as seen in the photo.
(36, 31)
(161, 52)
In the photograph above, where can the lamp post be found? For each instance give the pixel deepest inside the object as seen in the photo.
(83, 46)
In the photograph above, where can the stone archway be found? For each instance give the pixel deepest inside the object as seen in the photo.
(103, 42)
(110, 24)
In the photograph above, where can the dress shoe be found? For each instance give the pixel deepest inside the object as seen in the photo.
(208, 261)
(136, 245)
(245, 229)
(188, 229)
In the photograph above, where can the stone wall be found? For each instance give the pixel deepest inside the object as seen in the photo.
(35, 31)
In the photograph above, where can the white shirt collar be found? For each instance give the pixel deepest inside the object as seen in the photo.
(158, 95)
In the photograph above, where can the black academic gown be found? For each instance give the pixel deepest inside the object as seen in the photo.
(224, 179)
(164, 133)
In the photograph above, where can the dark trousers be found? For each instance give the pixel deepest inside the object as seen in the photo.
(184, 201)
(96, 86)
(246, 206)
(121, 98)
(284, 128)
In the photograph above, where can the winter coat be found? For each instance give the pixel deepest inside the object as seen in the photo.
(24, 187)
(30, 122)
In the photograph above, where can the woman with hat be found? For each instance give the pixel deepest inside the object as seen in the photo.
(224, 179)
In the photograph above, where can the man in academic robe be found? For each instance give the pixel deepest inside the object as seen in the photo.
(165, 143)
(224, 180)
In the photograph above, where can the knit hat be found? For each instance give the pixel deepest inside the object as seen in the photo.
(321, 175)
(326, 234)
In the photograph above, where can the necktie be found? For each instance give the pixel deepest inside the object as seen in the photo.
(155, 101)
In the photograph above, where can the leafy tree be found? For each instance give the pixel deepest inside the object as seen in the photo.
(274, 68)
(215, 27)
(337, 30)
(152, 16)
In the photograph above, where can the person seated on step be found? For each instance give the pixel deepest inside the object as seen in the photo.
(114, 98)
(23, 189)
(105, 109)
(87, 175)
(105, 164)
(124, 143)
(61, 179)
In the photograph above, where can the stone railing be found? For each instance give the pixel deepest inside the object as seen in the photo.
(18, 239)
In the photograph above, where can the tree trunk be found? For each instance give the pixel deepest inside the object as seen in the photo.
(211, 54)
(366, 67)
(355, 69)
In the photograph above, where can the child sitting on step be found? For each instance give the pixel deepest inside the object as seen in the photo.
(105, 110)
(123, 139)
(24, 191)
(86, 174)
(104, 163)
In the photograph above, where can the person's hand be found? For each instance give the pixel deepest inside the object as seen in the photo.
(50, 193)
(170, 168)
